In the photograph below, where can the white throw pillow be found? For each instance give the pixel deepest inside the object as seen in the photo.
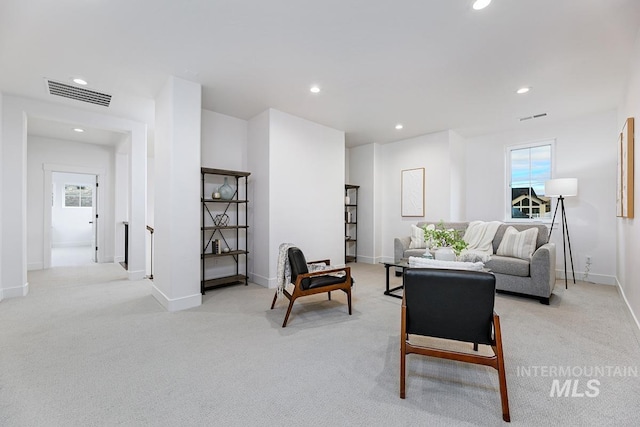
(518, 244)
(417, 238)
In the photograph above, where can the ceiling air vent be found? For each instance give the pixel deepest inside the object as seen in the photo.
(78, 93)
(535, 116)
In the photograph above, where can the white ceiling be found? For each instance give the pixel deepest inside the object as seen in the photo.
(65, 131)
(429, 64)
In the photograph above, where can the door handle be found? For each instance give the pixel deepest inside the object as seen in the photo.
(90, 222)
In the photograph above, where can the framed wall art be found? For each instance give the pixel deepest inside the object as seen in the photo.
(412, 192)
(624, 194)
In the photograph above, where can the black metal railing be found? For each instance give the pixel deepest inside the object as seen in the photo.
(150, 229)
(125, 263)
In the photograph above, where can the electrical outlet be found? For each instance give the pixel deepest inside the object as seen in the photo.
(588, 259)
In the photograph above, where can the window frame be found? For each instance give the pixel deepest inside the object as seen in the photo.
(507, 178)
(80, 198)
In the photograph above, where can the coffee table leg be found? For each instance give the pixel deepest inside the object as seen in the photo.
(386, 292)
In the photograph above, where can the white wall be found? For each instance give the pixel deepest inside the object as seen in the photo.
(585, 148)
(259, 164)
(465, 180)
(176, 282)
(458, 174)
(362, 172)
(306, 188)
(69, 154)
(628, 230)
(150, 216)
(431, 152)
(1, 194)
(298, 168)
(121, 204)
(224, 146)
(14, 170)
(224, 141)
(14, 199)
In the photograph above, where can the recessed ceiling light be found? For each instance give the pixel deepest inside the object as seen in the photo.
(399, 126)
(80, 81)
(481, 4)
(314, 89)
(79, 130)
(523, 90)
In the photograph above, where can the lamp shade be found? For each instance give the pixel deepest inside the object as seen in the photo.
(565, 187)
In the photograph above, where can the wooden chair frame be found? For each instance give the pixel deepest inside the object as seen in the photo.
(299, 292)
(496, 361)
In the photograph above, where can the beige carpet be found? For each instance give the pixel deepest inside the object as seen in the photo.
(87, 347)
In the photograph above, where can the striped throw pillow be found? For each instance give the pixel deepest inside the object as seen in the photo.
(417, 238)
(518, 244)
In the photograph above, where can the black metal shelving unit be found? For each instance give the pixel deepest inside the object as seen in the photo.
(351, 223)
(231, 235)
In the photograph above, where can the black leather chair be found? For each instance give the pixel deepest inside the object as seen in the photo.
(306, 283)
(455, 305)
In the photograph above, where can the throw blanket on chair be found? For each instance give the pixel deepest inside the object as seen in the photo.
(283, 272)
(479, 237)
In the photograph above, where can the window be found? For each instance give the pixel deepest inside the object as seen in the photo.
(529, 166)
(77, 196)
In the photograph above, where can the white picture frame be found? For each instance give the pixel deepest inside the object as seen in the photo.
(412, 192)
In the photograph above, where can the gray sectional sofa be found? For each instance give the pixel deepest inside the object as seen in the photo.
(533, 278)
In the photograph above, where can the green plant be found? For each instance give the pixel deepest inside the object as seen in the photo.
(441, 237)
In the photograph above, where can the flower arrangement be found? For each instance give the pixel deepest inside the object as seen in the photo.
(439, 236)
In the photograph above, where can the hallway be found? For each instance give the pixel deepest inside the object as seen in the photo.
(72, 256)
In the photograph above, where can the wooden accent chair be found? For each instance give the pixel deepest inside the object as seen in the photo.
(306, 283)
(455, 305)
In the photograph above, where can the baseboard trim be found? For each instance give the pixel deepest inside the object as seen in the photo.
(262, 281)
(626, 301)
(176, 304)
(136, 275)
(35, 266)
(600, 279)
(366, 259)
(16, 292)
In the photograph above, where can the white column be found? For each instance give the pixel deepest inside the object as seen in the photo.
(121, 201)
(137, 203)
(1, 195)
(13, 270)
(176, 283)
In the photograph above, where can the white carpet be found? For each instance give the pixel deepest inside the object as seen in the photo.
(96, 349)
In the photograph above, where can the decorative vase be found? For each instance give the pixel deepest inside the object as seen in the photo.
(225, 190)
(445, 254)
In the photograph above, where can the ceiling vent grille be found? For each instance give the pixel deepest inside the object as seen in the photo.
(535, 116)
(78, 93)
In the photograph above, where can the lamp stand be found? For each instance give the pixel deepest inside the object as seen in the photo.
(565, 239)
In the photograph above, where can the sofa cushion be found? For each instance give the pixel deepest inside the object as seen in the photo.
(518, 244)
(417, 238)
(508, 265)
(543, 234)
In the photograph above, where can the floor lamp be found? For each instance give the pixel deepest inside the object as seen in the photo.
(561, 188)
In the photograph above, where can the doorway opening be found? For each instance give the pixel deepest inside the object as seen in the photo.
(74, 219)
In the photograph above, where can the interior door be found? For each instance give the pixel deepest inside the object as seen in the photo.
(94, 221)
